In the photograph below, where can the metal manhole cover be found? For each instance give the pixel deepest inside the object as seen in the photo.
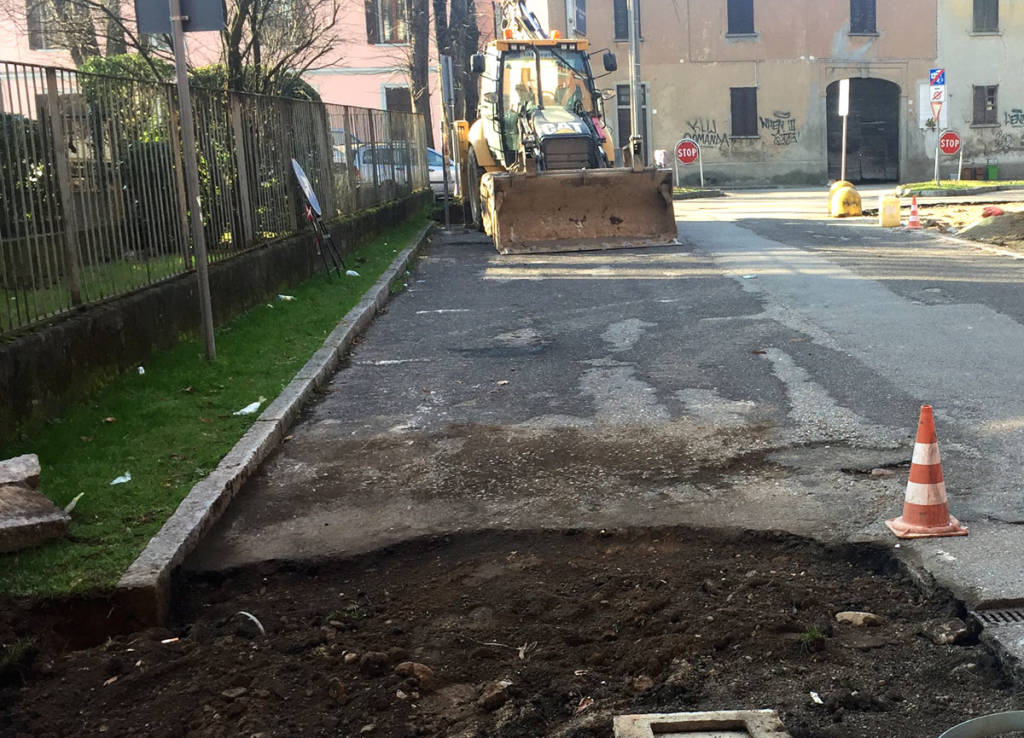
(1008, 616)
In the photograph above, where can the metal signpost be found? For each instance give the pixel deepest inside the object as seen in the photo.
(937, 96)
(167, 16)
(447, 114)
(844, 113)
(687, 151)
(635, 89)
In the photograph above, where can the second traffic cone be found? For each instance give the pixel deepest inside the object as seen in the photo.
(914, 223)
(925, 510)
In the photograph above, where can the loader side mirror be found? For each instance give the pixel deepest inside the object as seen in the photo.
(476, 64)
(610, 62)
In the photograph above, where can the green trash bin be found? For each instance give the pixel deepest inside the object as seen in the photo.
(992, 172)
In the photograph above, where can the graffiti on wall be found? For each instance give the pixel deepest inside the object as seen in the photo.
(705, 132)
(1014, 117)
(782, 126)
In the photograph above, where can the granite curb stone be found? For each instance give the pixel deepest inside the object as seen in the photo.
(145, 586)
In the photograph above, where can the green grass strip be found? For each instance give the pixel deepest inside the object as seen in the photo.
(171, 426)
(967, 184)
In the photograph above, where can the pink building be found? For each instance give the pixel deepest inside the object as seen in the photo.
(372, 71)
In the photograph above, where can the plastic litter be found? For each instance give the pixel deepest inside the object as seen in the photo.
(123, 479)
(816, 698)
(286, 298)
(252, 617)
(351, 273)
(74, 501)
(142, 370)
(250, 408)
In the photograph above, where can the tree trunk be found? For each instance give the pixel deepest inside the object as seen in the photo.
(419, 67)
(464, 39)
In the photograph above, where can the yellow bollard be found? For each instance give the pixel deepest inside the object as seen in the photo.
(845, 201)
(889, 211)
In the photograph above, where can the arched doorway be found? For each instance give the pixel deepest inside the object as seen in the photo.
(873, 135)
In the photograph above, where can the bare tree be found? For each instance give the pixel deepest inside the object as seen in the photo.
(264, 42)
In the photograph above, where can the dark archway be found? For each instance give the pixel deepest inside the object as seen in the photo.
(873, 135)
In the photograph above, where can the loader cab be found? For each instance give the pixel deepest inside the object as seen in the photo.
(526, 77)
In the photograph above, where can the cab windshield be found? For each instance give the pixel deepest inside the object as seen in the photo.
(562, 80)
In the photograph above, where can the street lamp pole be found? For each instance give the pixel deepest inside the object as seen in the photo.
(188, 140)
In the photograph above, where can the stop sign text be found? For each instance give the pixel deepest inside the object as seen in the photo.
(949, 142)
(687, 151)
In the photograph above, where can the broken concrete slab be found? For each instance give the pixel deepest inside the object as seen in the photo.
(20, 470)
(27, 518)
(732, 723)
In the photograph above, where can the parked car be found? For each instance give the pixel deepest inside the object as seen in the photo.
(435, 162)
(391, 163)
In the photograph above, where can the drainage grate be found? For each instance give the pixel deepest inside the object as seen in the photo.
(1013, 616)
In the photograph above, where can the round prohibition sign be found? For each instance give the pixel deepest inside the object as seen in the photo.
(949, 142)
(687, 151)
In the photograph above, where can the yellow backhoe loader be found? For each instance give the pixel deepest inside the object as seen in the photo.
(538, 165)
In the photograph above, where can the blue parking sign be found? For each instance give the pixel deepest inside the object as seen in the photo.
(937, 77)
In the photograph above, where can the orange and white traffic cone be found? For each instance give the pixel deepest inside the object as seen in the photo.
(914, 224)
(925, 510)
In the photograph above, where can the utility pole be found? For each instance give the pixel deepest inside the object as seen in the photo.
(636, 143)
(188, 141)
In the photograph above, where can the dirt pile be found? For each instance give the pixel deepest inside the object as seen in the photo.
(1006, 228)
(520, 635)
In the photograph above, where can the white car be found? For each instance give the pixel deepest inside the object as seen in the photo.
(381, 156)
(436, 165)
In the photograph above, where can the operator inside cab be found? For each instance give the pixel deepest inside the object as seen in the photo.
(570, 90)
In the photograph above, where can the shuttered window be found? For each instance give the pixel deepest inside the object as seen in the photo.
(623, 118)
(862, 16)
(622, 19)
(387, 21)
(986, 109)
(744, 111)
(741, 16)
(39, 17)
(398, 99)
(986, 16)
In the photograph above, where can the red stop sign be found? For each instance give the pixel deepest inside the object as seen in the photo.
(687, 151)
(949, 142)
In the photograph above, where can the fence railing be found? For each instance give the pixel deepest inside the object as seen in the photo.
(92, 189)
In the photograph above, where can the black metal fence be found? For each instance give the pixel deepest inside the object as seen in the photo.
(92, 189)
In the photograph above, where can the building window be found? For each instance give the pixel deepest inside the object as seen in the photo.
(387, 21)
(741, 16)
(578, 16)
(398, 99)
(986, 16)
(862, 16)
(623, 120)
(744, 111)
(986, 109)
(40, 21)
(622, 19)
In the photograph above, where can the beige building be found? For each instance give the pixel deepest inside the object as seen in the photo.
(755, 82)
(981, 46)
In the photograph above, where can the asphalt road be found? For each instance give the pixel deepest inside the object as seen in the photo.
(752, 376)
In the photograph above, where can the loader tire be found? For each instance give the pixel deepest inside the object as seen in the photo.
(473, 174)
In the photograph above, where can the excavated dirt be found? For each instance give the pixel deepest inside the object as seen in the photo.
(969, 221)
(522, 635)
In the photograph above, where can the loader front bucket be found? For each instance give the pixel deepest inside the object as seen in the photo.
(578, 210)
